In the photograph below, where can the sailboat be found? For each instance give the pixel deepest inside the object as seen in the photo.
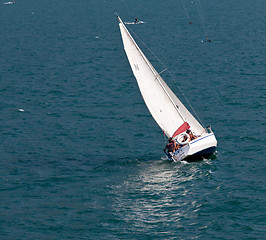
(9, 3)
(166, 109)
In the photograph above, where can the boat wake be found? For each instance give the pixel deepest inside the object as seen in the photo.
(175, 161)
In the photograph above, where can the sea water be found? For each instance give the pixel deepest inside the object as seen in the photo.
(81, 157)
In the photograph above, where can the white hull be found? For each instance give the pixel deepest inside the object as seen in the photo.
(202, 146)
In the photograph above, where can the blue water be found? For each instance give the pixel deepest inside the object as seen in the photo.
(81, 157)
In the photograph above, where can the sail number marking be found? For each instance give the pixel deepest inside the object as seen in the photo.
(136, 66)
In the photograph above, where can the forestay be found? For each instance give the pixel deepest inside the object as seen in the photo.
(164, 106)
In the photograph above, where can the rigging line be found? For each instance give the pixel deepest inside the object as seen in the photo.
(186, 12)
(173, 79)
(162, 72)
(164, 136)
(198, 4)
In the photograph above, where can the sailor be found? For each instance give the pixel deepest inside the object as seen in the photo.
(171, 146)
(136, 20)
(191, 135)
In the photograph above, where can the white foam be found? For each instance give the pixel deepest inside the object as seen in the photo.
(139, 22)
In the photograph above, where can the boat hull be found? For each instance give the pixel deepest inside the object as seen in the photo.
(204, 154)
(202, 147)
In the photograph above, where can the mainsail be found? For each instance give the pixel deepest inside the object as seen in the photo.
(164, 106)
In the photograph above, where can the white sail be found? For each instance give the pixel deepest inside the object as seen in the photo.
(164, 106)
